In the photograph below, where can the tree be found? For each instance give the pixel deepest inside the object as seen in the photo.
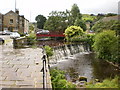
(31, 28)
(109, 25)
(105, 45)
(111, 14)
(100, 16)
(80, 23)
(75, 13)
(56, 21)
(40, 21)
(60, 20)
(73, 31)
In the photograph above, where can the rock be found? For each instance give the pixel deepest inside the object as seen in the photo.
(82, 78)
(97, 80)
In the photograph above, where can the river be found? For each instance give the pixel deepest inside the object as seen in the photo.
(86, 64)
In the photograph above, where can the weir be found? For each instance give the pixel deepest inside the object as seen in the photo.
(64, 51)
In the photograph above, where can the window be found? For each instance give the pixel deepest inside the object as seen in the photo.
(11, 21)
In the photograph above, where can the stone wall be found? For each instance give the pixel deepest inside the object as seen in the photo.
(20, 42)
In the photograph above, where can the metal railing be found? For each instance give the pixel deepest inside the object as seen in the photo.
(44, 69)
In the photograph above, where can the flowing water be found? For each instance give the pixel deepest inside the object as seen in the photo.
(85, 64)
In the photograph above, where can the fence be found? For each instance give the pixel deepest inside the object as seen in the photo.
(45, 70)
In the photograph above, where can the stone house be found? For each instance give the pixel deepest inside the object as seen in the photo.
(26, 26)
(23, 24)
(14, 22)
(1, 22)
(11, 21)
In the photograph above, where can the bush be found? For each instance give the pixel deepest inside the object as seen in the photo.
(105, 45)
(49, 51)
(58, 79)
(31, 39)
(22, 34)
(73, 31)
(107, 83)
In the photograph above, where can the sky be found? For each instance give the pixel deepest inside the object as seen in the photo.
(31, 8)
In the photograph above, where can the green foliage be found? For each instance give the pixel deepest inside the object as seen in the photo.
(58, 79)
(88, 18)
(107, 83)
(49, 51)
(40, 21)
(110, 25)
(73, 31)
(80, 23)
(55, 23)
(22, 34)
(31, 39)
(31, 28)
(75, 13)
(110, 14)
(60, 20)
(105, 45)
(100, 16)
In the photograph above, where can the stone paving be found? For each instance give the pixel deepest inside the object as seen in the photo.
(20, 68)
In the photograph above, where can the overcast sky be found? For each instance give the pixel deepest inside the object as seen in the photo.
(31, 8)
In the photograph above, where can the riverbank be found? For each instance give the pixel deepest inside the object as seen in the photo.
(114, 64)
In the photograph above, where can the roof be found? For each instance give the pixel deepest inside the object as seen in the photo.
(10, 12)
(16, 14)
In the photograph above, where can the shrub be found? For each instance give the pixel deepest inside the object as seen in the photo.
(73, 31)
(31, 39)
(105, 45)
(49, 51)
(58, 79)
(22, 34)
(107, 83)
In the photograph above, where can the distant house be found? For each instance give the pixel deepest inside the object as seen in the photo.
(1, 22)
(14, 22)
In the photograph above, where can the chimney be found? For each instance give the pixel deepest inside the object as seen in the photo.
(17, 11)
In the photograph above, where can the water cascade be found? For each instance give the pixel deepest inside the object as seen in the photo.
(64, 51)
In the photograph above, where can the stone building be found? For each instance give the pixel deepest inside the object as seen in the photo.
(11, 21)
(1, 22)
(26, 27)
(23, 25)
(14, 22)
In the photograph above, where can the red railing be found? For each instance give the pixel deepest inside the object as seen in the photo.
(52, 34)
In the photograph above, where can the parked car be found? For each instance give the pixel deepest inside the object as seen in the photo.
(2, 41)
(42, 32)
(1, 32)
(6, 32)
(14, 35)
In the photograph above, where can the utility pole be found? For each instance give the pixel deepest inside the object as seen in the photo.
(15, 5)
